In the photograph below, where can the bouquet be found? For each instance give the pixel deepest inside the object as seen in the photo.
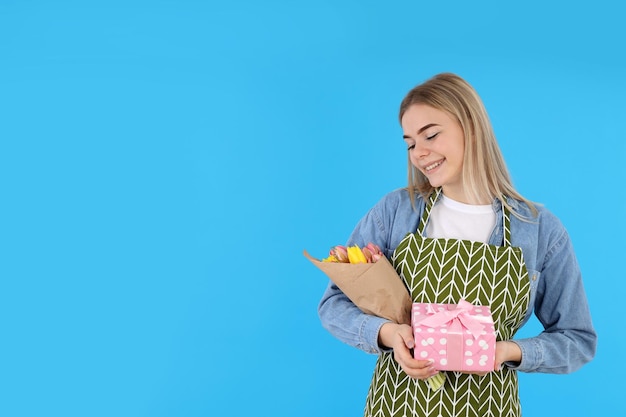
(368, 279)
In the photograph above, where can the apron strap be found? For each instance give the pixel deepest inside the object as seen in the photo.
(434, 196)
(506, 222)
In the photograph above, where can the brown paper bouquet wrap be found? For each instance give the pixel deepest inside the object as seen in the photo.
(376, 288)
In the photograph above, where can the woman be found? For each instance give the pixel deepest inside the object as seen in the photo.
(460, 202)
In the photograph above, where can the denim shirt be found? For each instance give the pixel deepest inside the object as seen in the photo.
(558, 298)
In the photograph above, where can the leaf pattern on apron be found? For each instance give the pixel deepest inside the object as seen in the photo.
(446, 271)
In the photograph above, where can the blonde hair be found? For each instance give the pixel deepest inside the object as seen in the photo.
(484, 171)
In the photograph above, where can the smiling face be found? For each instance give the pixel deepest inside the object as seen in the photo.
(436, 146)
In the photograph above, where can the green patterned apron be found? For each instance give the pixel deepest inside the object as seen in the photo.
(446, 271)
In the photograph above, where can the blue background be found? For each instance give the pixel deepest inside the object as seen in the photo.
(164, 163)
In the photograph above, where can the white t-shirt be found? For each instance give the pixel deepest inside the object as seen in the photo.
(450, 219)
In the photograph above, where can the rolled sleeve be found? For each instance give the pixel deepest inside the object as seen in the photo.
(532, 355)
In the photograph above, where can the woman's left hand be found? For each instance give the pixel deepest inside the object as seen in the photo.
(506, 351)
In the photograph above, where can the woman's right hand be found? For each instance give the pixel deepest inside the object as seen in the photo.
(399, 337)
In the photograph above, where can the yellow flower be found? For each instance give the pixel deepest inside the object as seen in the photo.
(356, 256)
(331, 258)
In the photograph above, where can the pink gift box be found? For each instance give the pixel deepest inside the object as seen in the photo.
(457, 337)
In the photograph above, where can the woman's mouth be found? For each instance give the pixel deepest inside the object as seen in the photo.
(434, 165)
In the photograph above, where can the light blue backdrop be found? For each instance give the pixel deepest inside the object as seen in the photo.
(164, 163)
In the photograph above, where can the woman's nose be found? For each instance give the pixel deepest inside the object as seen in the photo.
(420, 150)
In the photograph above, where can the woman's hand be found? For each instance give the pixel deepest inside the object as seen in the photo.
(506, 351)
(399, 337)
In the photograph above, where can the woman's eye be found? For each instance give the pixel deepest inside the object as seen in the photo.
(432, 136)
(411, 147)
